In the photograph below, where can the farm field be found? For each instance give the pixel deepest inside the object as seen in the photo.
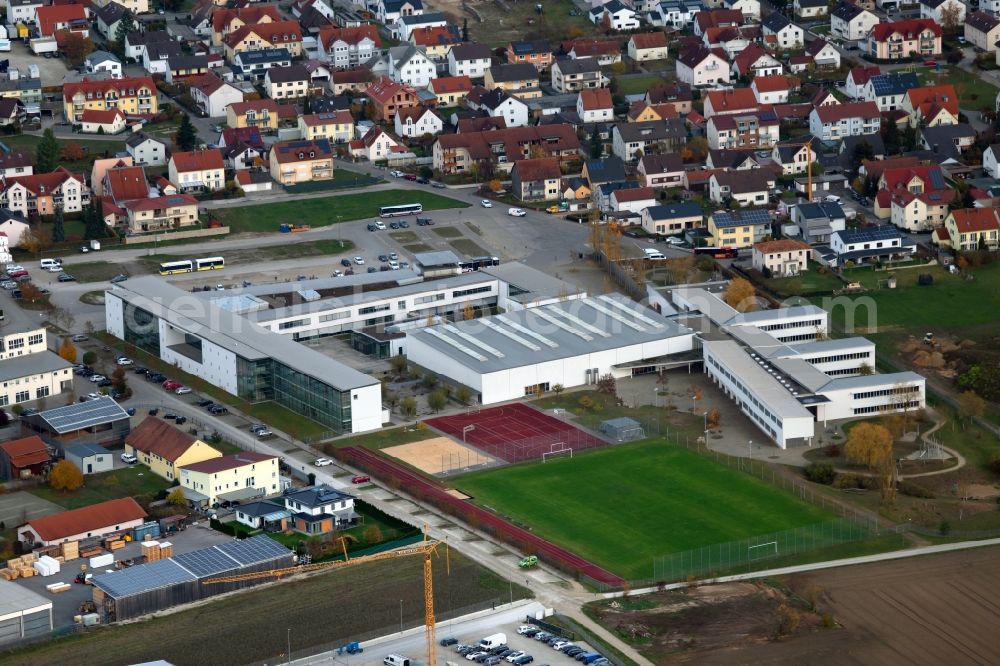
(326, 610)
(324, 211)
(621, 506)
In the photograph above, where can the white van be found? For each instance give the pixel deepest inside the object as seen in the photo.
(653, 253)
(49, 264)
(493, 641)
(395, 660)
(832, 198)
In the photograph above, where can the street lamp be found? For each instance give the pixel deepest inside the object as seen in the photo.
(400, 616)
(750, 444)
(288, 637)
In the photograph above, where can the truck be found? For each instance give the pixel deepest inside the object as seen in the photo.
(493, 641)
(44, 45)
(95, 245)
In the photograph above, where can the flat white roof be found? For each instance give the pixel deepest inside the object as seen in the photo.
(767, 388)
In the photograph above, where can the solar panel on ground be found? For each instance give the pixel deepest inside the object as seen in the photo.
(254, 550)
(83, 414)
(206, 562)
(142, 578)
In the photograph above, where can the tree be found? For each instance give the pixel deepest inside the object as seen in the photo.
(868, 444)
(596, 145)
(67, 350)
(307, 105)
(118, 381)
(951, 16)
(76, 48)
(437, 400)
(820, 472)
(65, 476)
(398, 364)
(866, 370)
(558, 389)
(126, 24)
(176, 497)
(714, 418)
(465, 30)
(495, 185)
(607, 385)
(187, 136)
(47, 152)
(390, 398)
(372, 535)
(971, 405)
(89, 357)
(408, 406)
(72, 152)
(463, 394)
(93, 226)
(741, 295)
(58, 229)
(468, 312)
(30, 292)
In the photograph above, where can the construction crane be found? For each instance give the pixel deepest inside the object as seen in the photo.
(427, 548)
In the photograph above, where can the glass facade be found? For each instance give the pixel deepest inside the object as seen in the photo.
(253, 379)
(370, 346)
(142, 329)
(311, 397)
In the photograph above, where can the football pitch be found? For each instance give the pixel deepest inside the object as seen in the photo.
(622, 506)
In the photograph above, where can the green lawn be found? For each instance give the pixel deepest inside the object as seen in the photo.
(973, 92)
(93, 271)
(467, 247)
(136, 481)
(622, 506)
(634, 85)
(324, 211)
(93, 148)
(807, 282)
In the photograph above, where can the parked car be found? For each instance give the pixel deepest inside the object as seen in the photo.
(394, 225)
(264, 434)
(361, 478)
(516, 212)
(139, 370)
(521, 661)
(79, 338)
(322, 462)
(447, 641)
(218, 409)
(65, 277)
(171, 385)
(673, 240)
(97, 378)
(372, 269)
(123, 360)
(486, 203)
(157, 377)
(204, 402)
(121, 277)
(399, 174)
(345, 262)
(515, 655)
(380, 225)
(403, 224)
(170, 416)
(257, 427)
(182, 390)
(129, 459)
(360, 261)
(180, 420)
(422, 181)
(384, 258)
(410, 176)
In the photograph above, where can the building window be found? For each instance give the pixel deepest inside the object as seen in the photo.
(22, 396)
(35, 339)
(41, 392)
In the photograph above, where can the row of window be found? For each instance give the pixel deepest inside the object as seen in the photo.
(858, 411)
(895, 390)
(24, 396)
(816, 323)
(843, 371)
(473, 290)
(746, 392)
(837, 357)
(802, 337)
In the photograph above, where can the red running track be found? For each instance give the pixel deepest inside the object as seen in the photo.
(423, 489)
(515, 432)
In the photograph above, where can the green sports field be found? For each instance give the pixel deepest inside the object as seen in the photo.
(622, 506)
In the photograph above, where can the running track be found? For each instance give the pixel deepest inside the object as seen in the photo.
(515, 432)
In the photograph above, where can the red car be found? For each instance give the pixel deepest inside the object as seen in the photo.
(171, 385)
(361, 479)
(930, 63)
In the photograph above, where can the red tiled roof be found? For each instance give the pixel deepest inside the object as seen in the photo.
(928, 97)
(158, 203)
(738, 99)
(592, 47)
(269, 105)
(451, 84)
(43, 182)
(596, 98)
(158, 437)
(634, 194)
(860, 75)
(908, 28)
(748, 56)
(206, 83)
(342, 117)
(434, 36)
(665, 111)
(784, 245)
(101, 116)
(87, 519)
(287, 152)
(718, 17)
(974, 220)
(558, 137)
(540, 168)
(353, 36)
(26, 451)
(480, 124)
(414, 112)
(384, 89)
(278, 33)
(234, 461)
(198, 160)
(249, 15)
(832, 113)
(354, 75)
(51, 16)
(98, 89)
(898, 177)
(776, 82)
(126, 183)
(650, 40)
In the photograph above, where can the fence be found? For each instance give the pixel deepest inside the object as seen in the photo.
(168, 236)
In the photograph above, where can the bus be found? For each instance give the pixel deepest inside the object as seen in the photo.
(209, 264)
(719, 252)
(477, 263)
(402, 209)
(171, 267)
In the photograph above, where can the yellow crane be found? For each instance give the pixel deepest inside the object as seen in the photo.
(427, 548)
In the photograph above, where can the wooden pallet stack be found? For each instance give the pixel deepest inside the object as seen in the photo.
(8, 574)
(166, 550)
(70, 550)
(151, 550)
(90, 551)
(117, 544)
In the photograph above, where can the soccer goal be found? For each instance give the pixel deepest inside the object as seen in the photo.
(762, 551)
(557, 449)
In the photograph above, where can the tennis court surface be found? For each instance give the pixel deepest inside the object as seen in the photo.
(515, 432)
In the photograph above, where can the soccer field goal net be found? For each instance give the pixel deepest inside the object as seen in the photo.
(557, 449)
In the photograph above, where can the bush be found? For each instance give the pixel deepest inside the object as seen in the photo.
(831, 451)
(820, 472)
(994, 464)
(912, 489)
(850, 481)
(89, 357)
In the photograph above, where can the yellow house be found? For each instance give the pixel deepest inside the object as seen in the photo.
(336, 126)
(273, 35)
(259, 113)
(165, 449)
(972, 228)
(238, 477)
(133, 95)
(518, 79)
(293, 162)
(451, 90)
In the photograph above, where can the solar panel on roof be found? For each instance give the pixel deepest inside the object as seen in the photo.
(142, 578)
(254, 550)
(742, 217)
(206, 562)
(83, 415)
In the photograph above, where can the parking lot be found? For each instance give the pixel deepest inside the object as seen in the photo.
(541, 654)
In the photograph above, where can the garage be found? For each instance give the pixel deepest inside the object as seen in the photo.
(23, 614)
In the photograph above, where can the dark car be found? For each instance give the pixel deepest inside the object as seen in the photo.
(157, 377)
(180, 420)
(526, 659)
(394, 225)
(372, 227)
(170, 415)
(410, 176)
(422, 181)
(218, 409)
(448, 641)
(204, 403)
(403, 224)
(66, 277)
(372, 269)
(154, 411)
(139, 370)
(345, 263)
(105, 382)
(121, 277)
(384, 267)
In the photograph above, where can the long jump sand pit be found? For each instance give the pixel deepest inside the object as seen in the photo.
(438, 455)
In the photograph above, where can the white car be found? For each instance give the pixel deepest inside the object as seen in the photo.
(97, 378)
(129, 458)
(93, 396)
(674, 240)
(396, 174)
(359, 261)
(380, 225)
(10, 268)
(524, 628)
(123, 360)
(57, 268)
(182, 390)
(322, 462)
(486, 203)
(516, 212)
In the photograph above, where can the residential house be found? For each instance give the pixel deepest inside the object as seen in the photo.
(451, 90)
(13, 225)
(537, 53)
(164, 449)
(824, 54)
(375, 145)
(387, 96)
(857, 79)
(594, 105)
(273, 35)
(290, 82)
(850, 22)
(102, 62)
(904, 39)
(124, 183)
(599, 171)
(240, 156)
(133, 95)
(677, 95)
(11, 111)
(101, 168)
(750, 9)
(571, 75)
(498, 103)
(163, 213)
(991, 161)
(355, 80)
(632, 140)
(500, 148)
(518, 79)
(723, 102)
(749, 187)
(888, 90)
(53, 19)
(754, 61)
(757, 130)
(931, 106)
(264, 515)
(787, 35)
(793, 158)
(388, 11)
(301, 161)
(226, 21)
(665, 170)
(810, 9)
(731, 41)
(739, 229)
(705, 20)
(89, 522)
(136, 42)
(212, 95)
(90, 458)
(734, 159)
(94, 121)
(699, 66)
(672, 218)
(676, 14)
(973, 229)
(647, 46)
(253, 65)
(642, 112)
(872, 244)
(235, 478)
(436, 41)
(818, 221)
(607, 51)
(349, 47)
(576, 192)
(43, 193)
(409, 66)
(197, 171)
(156, 57)
(537, 179)
(22, 11)
(781, 258)
(320, 510)
(469, 59)
(336, 126)
(614, 15)
(834, 122)
(182, 67)
(602, 196)
(632, 200)
(918, 196)
(944, 12)
(406, 25)
(16, 163)
(982, 30)
(774, 89)
(948, 140)
(417, 122)
(24, 458)
(260, 113)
